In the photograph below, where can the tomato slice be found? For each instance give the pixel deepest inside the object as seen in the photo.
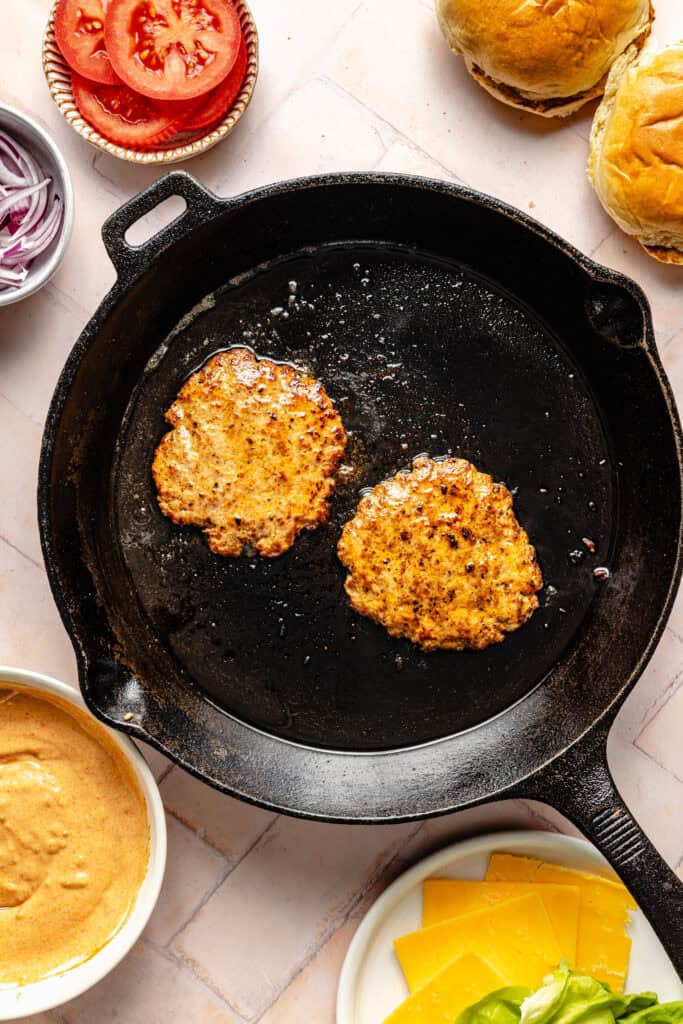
(211, 108)
(172, 49)
(123, 116)
(79, 30)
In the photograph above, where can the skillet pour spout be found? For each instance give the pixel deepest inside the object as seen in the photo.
(439, 320)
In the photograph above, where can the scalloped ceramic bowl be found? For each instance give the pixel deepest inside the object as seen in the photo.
(24, 1000)
(58, 75)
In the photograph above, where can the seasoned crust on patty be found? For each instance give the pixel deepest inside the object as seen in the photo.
(252, 454)
(437, 555)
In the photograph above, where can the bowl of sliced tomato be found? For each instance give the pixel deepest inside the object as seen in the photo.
(151, 81)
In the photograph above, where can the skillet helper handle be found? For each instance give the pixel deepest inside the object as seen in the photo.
(130, 259)
(580, 785)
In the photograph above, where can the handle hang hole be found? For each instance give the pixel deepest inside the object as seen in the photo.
(150, 224)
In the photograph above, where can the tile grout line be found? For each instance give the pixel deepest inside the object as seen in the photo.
(194, 966)
(21, 412)
(667, 338)
(659, 704)
(308, 74)
(23, 554)
(208, 842)
(68, 305)
(231, 866)
(341, 920)
(120, 197)
(539, 816)
(654, 760)
(181, 965)
(392, 127)
(611, 231)
(333, 40)
(164, 775)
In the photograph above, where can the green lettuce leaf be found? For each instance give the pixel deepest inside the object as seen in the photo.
(662, 1013)
(499, 1007)
(641, 1001)
(569, 998)
(566, 997)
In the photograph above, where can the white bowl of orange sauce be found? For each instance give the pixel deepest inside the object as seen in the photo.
(82, 845)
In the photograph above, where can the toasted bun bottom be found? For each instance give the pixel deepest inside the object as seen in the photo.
(563, 106)
(672, 256)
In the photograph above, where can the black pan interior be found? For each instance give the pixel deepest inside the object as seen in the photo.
(419, 355)
(429, 311)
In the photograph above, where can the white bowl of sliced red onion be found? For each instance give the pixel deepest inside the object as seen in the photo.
(36, 206)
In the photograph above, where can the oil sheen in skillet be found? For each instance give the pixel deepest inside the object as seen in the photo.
(418, 356)
(74, 837)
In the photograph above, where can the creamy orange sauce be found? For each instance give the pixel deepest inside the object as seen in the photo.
(74, 836)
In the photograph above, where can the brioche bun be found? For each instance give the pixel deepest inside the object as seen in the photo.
(636, 149)
(545, 56)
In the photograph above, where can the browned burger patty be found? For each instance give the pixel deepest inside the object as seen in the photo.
(252, 454)
(436, 555)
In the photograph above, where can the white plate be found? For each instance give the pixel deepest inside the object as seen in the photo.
(372, 984)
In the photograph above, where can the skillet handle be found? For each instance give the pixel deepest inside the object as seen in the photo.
(130, 259)
(580, 785)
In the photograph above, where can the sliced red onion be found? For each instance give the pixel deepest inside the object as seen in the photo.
(11, 172)
(15, 200)
(12, 278)
(26, 247)
(29, 222)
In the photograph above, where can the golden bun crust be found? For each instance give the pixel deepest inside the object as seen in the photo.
(545, 56)
(636, 150)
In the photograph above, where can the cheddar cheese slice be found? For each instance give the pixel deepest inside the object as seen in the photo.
(603, 947)
(443, 898)
(515, 938)
(462, 983)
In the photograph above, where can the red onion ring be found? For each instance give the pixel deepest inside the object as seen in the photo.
(29, 220)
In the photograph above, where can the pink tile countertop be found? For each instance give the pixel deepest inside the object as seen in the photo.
(257, 911)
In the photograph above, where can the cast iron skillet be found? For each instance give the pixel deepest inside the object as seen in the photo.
(440, 321)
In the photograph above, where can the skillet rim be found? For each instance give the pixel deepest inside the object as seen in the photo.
(131, 269)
